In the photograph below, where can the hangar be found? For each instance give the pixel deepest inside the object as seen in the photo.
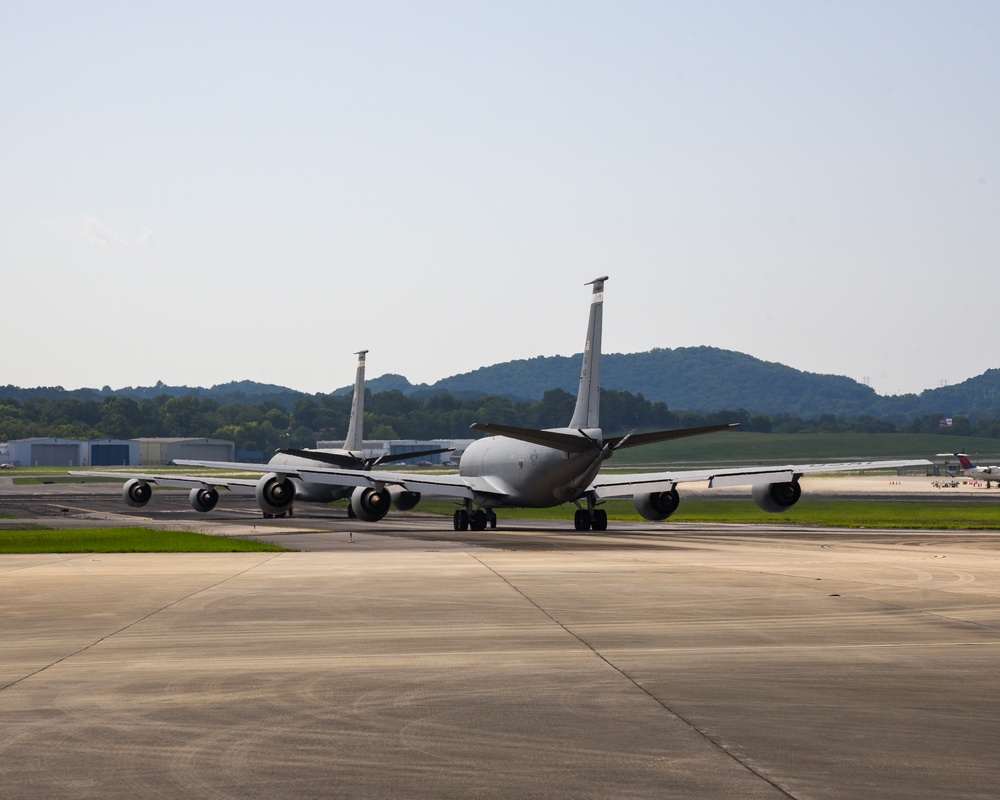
(47, 452)
(159, 452)
(113, 452)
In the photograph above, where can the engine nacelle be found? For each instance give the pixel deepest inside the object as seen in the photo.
(776, 497)
(203, 499)
(403, 500)
(136, 493)
(274, 494)
(369, 505)
(657, 505)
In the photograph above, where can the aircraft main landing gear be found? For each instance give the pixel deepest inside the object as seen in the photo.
(590, 518)
(476, 520)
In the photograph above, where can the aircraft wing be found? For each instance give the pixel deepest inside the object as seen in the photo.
(235, 485)
(625, 485)
(447, 485)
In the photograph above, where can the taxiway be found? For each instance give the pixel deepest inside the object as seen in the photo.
(402, 659)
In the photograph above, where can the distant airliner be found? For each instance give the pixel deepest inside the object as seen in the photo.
(971, 470)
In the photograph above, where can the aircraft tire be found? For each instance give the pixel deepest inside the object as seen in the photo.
(600, 522)
(461, 520)
(478, 521)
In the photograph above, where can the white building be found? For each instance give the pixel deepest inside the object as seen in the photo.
(47, 452)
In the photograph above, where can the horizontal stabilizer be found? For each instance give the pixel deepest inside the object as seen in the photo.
(636, 439)
(416, 454)
(567, 442)
(349, 461)
(344, 459)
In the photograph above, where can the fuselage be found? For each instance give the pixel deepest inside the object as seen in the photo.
(974, 470)
(314, 492)
(532, 475)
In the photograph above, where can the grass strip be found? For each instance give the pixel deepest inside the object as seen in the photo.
(891, 514)
(851, 514)
(124, 540)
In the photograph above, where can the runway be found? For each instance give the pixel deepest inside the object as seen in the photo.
(406, 660)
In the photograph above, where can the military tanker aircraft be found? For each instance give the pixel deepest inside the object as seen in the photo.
(520, 468)
(274, 496)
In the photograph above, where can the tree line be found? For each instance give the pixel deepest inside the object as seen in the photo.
(266, 426)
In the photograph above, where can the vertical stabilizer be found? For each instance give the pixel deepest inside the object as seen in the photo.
(356, 427)
(587, 413)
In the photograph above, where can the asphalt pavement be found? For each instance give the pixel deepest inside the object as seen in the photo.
(402, 659)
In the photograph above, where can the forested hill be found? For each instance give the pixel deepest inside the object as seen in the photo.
(238, 392)
(696, 379)
(707, 379)
(689, 378)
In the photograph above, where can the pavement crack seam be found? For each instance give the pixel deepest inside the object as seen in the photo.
(924, 612)
(712, 742)
(133, 623)
(58, 558)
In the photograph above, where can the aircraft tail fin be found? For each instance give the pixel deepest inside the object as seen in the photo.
(964, 460)
(356, 427)
(587, 413)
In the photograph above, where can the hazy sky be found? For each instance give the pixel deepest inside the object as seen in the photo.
(215, 191)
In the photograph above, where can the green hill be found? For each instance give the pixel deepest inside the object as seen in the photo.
(695, 379)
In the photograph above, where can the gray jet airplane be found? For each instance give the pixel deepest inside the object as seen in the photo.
(527, 468)
(274, 497)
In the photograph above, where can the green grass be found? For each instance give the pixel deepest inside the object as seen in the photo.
(809, 512)
(736, 447)
(123, 540)
(850, 514)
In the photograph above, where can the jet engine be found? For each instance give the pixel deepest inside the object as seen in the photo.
(657, 505)
(136, 493)
(203, 498)
(776, 497)
(403, 500)
(275, 494)
(369, 505)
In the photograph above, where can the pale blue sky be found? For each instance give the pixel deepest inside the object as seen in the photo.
(215, 191)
